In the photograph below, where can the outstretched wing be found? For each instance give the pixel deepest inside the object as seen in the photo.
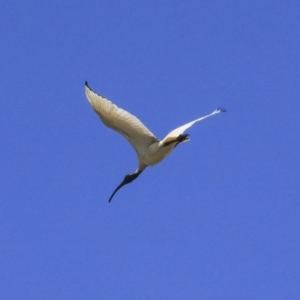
(180, 130)
(112, 116)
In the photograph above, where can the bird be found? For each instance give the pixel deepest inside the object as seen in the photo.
(149, 149)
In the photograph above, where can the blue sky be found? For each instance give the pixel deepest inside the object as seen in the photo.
(218, 219)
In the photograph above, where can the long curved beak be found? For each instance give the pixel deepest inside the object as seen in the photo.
(119, 186)
(127, 179)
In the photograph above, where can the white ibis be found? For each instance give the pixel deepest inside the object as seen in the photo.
(149, 149)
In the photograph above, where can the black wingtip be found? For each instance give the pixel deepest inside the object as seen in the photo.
(86, 84)
(220, 109)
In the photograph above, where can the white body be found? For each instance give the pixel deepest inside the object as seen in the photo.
(154, 154)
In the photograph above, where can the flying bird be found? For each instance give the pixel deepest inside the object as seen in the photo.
(149, 149)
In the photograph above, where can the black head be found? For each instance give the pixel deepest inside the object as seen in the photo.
(130, 177)
(127, 179)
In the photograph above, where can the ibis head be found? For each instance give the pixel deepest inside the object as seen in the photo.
(127, 179)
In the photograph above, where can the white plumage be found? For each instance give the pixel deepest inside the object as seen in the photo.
(149, 149)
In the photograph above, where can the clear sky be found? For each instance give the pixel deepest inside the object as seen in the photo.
(218, 219)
